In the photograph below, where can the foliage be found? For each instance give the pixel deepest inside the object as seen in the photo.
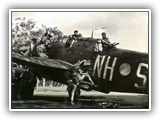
(25, 29)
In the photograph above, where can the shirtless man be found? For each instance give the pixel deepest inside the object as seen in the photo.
(77, 76)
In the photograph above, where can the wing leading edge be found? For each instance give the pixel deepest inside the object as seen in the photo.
(36, 61)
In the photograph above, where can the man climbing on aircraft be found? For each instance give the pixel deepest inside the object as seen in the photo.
(77, 76)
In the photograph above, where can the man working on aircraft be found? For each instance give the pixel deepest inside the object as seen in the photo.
(76, 35)
(73, 38)
(33, 46)
(38, 49)
(26, 49)
(105, 42)
(77, 76)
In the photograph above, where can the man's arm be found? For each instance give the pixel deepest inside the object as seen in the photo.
(82, 62)
(106, 42)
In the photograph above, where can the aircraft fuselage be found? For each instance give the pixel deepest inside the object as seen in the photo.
(112, 70)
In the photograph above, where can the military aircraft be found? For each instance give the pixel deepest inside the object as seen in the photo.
(114, 69)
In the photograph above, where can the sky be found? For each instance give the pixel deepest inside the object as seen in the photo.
(130, 29)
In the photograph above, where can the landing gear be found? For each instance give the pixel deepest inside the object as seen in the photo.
(27, 91)
(24, 92)
(23, 87)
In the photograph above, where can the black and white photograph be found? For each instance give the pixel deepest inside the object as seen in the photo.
(80, 59)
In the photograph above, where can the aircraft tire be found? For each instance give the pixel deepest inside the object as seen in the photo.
(27, 91)
(14, 92)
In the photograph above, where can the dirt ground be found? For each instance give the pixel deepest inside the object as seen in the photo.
(57, 98)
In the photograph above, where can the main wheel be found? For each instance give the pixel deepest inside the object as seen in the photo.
(27, 91)
(24, 91)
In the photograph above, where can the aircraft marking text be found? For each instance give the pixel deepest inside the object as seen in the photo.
(124, 69)
(144, 78)
(99, 64)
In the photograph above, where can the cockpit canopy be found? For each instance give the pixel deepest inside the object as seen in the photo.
(85, 43)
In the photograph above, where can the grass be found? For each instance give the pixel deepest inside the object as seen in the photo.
(51, 89)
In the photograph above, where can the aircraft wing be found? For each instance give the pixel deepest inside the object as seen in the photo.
(37, 61)
(52, 69)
